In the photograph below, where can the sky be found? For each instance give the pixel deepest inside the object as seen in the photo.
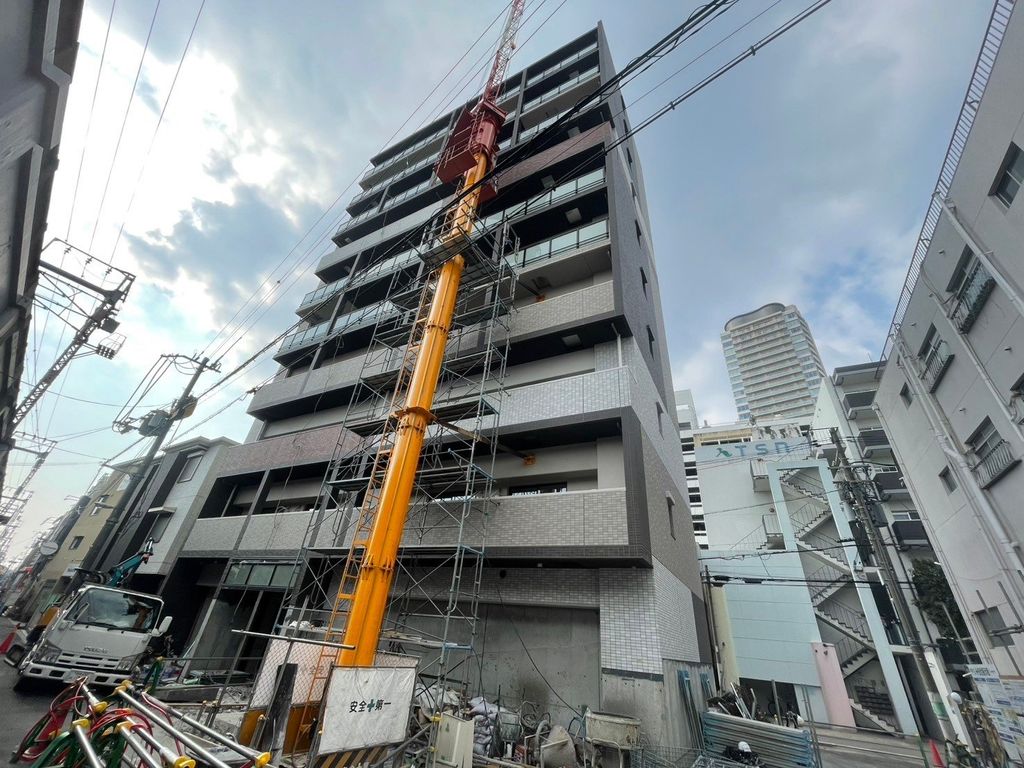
(802, 176)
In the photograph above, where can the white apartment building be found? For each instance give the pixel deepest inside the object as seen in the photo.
(774, 365)
(950, 396)
(799, 612)
(686, 419)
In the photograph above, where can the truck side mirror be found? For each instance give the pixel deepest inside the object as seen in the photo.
(165, 624)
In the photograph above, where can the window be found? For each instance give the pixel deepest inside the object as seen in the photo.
(76, 542)
(159, 526)
(905, 395)
(643, 280)
(661, 419)
(948, 480)
(906, 514)
(629, 156)
(537, 489)
(188, 469)
(992, 622)
(650, 340)
(99, 505)
(671, 516)
(639, 233)
(963, 267)
(632, 188)
(1011, 176)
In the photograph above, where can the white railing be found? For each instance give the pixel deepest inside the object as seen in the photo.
(975, 91)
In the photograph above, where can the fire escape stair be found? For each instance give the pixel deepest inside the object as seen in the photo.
(877, 721)
(844, 626)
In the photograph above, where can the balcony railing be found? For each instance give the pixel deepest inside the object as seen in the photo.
(429, 160)
(567, 85)
(568, 241)
(529, 133)
(379, 269)
(936, 363)
(996, 462)
(322, 331)
(972, 296)
(535, 78)
(408, 151)
(559, 193)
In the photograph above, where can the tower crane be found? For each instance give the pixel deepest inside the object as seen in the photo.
(469, 154)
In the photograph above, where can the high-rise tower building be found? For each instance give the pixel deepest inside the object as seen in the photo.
(774, 366)
(564, 368)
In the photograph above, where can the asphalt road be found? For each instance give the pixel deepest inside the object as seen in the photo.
(18, 711)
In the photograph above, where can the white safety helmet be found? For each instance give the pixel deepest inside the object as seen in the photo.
(743, 746)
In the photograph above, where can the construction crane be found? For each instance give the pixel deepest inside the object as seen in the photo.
(469, 154)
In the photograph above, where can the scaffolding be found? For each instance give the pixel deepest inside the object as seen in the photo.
(431, 618)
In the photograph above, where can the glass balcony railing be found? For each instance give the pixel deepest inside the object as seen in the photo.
(568, 241)
(561, 65)
(323, 293)
(972, 296)
(408, 151)
(394, 179)
(384, 267)
(351, 321)
(555, 195)
(529, 133)
(568, 85)
(411, 192)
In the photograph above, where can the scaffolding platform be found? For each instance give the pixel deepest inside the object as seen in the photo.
(460, 410)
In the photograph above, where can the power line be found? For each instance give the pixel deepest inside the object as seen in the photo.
(156, 131)
(124, 122)
(88, 122)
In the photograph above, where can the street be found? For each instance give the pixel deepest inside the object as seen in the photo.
(20, 710)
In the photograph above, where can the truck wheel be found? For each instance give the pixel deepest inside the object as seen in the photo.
(23, 684)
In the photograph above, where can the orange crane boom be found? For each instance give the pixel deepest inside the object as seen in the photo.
(470, 152)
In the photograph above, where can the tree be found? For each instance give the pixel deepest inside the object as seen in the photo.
(932, 592)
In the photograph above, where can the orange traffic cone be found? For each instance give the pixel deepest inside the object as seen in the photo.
(6, 644)
(936, 757)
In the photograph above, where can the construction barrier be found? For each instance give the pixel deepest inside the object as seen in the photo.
(80, 730)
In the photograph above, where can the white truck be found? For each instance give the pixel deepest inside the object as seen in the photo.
(100, 633)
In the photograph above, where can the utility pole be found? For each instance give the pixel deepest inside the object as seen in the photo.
(859, 504)
(157, 424)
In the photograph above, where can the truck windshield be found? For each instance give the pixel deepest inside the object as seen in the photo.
(116, 610)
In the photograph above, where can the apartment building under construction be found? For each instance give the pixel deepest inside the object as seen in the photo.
(550, 540)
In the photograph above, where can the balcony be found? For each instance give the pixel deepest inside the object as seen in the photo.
(995, 463)
(936, 363)
(565, 191)
(857, 402)
(568, 85)
(354, 320)
(972, 296)
(872, 440)
(890, 483)
(410, 156)
(586, 236)
(537, 77)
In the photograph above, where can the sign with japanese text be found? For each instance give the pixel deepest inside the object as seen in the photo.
(757, 449)
(366, 707)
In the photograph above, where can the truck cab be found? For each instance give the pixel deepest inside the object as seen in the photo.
(99, 634)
